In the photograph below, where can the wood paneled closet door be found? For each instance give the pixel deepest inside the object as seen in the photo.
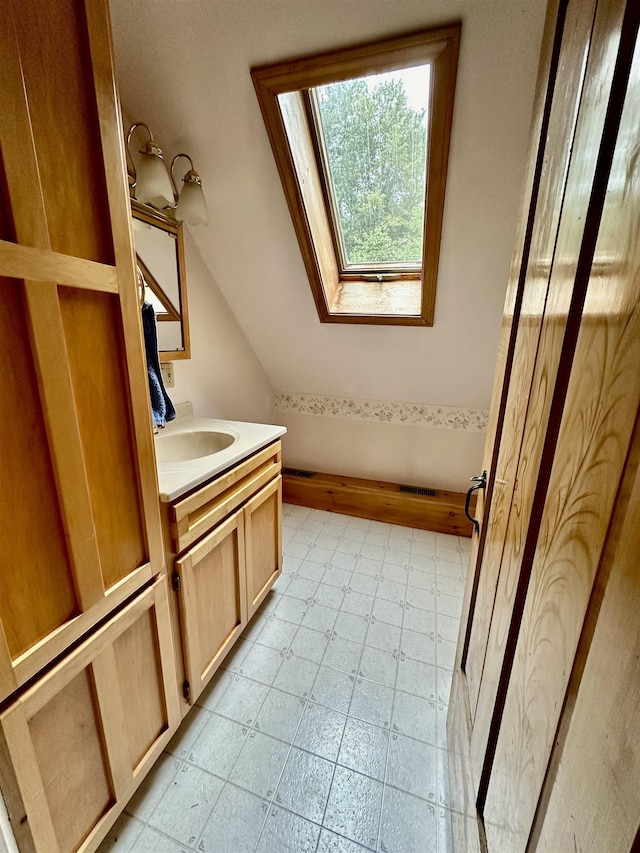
(565, 401)
(78, 507)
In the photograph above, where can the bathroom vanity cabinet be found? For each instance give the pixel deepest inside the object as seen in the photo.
(224, 552)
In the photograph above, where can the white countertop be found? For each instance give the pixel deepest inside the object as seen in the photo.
(176, 478)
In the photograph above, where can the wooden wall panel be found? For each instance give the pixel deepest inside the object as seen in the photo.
(59, 82)
(37, 585)
(95, 351)
(66, 733)
(140, 679)
(599, 414)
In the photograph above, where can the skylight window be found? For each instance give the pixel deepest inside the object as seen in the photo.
(361, 140)
(372, 134)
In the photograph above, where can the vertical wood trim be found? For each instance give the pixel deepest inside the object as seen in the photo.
(242, 538)
(166, 649)
(184, 301)
(18, 150)
(279, 524)
(189, 625)
(20, 762)
(112, 138)
(63, 431)
(443, 85)
(8, 678)
(112, 716)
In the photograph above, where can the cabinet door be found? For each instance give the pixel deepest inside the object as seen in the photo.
(77, 744)
(213, 610)
(80, 525)
(263, 536)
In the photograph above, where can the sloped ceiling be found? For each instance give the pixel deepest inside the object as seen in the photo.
(183, 67)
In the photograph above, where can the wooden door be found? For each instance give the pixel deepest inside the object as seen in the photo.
(263, 537)
(564, 430)
(80, 521)
(210, 579)
(590, 797)
(77, 743)
(585, 455)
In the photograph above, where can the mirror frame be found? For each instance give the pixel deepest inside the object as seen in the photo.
(154, 217)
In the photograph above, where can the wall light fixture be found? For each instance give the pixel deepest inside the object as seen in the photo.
(152, 183)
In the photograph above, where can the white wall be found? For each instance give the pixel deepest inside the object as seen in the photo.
(223, 378)
(412, 454)
(185, 69)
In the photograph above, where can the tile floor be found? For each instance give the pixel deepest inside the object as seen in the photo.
(325, 729)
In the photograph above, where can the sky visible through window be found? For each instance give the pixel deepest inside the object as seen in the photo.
(374, 132)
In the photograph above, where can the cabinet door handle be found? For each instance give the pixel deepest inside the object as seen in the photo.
(480, 483)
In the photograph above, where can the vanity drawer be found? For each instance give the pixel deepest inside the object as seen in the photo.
(196, 514)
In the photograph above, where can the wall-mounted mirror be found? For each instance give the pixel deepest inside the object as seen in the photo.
(160, 256)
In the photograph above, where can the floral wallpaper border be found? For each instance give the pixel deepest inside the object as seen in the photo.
(438, 417)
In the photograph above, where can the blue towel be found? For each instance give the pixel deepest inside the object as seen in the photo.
(162, 409)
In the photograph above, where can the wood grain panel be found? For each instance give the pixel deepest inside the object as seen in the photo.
(379, 501)
(312, 214)
(32, 207)
(117, 187)
(197, 513)
(217, 598)
(37, 588)
(94, 346)
(140, 678)
(69, 729)
(599, 413)
(562, 123)
(263, 538)
(66, 733)
(542, 405)
(458, 731)
(212, 599)
(593, 784)
(466, 831)
(58, 79)
(36, 264)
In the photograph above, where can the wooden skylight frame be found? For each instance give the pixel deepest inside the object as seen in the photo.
(281, 90)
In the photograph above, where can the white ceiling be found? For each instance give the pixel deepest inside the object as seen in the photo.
(183, 67)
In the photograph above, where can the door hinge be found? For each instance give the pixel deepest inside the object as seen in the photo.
(186, 691)
(177, 583)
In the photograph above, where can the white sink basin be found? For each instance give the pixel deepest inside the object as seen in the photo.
(192, 444)
(189, 450)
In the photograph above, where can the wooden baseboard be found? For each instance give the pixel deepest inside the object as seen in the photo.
(378, 501)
